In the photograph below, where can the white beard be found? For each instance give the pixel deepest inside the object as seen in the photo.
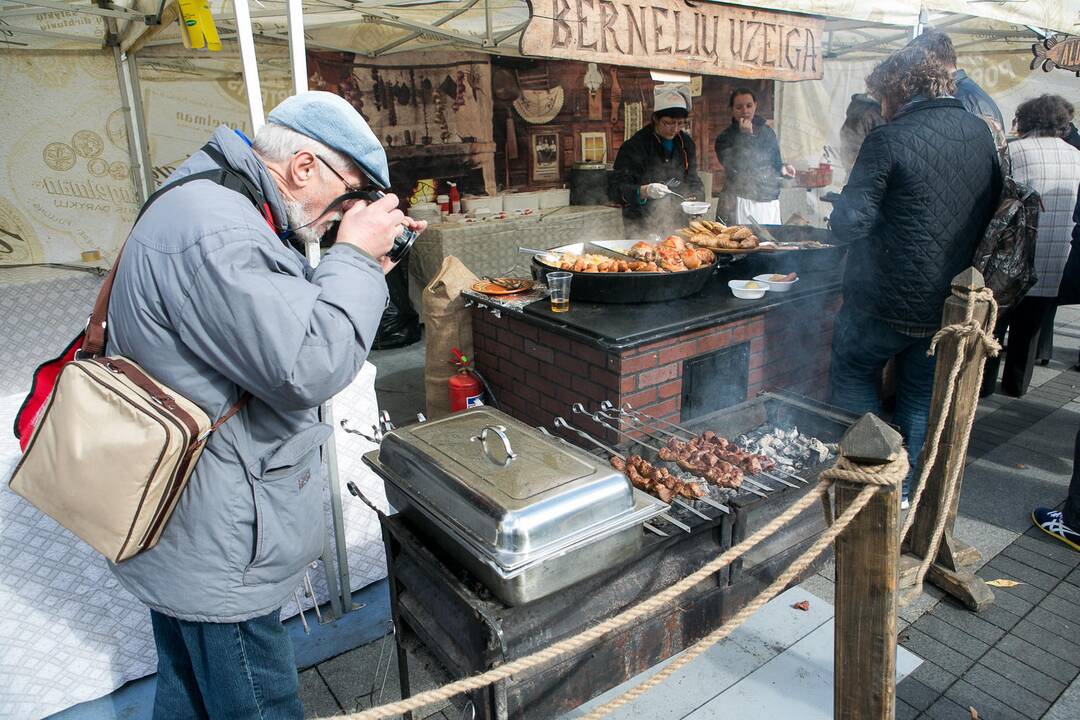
(301, 214)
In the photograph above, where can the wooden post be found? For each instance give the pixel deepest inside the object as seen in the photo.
(866, 583)
(948, 571)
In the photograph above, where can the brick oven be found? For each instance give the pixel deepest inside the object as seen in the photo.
(677, 360)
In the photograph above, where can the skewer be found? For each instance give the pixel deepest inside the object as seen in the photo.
(634, 415)
(578, 408)
(607, 406)
(627, 407)
(755, 483)
(653, 529)
(559, 422)
(778, 479)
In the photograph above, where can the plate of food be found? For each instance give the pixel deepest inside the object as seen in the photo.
(720, 238)
(778, 282)
(502, 286)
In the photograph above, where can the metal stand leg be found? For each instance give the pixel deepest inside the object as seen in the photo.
(399, 626)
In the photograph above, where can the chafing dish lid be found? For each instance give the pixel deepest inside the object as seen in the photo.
(545, 495)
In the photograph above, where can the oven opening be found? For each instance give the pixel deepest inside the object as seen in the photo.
(715, 381)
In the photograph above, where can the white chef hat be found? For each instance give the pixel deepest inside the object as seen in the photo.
(672, 96)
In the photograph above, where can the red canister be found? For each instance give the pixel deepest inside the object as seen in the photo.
(465, 391)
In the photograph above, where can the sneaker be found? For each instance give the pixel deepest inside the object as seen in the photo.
(1050, 522)
(905, 503)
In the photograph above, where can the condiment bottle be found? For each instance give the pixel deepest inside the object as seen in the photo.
(455, 199)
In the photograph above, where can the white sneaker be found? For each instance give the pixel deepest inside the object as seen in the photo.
(905, 503)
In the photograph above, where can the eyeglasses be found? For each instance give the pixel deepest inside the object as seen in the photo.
(349, 187)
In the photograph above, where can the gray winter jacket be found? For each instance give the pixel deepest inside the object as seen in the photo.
(211, 302)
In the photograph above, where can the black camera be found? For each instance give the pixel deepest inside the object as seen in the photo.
(402, 243)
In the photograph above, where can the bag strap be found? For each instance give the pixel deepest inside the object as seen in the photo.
(96, 331)
(96, 334)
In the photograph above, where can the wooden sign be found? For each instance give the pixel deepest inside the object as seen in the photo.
(1053, 53)
(675, 35)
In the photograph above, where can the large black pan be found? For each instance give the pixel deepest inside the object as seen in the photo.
(631, 287)
(797, 261)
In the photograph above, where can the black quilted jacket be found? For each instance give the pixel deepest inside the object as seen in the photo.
(919, 197)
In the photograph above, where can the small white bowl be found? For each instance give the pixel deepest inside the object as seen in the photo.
(694, 207)
(738, 287)
(776, 286)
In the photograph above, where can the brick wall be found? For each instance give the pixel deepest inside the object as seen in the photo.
(537, 374)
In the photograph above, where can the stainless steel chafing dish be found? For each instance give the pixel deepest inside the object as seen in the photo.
(526, 514)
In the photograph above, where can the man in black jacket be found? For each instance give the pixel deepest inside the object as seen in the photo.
(968, 92)
(657, 156)
(920, 195)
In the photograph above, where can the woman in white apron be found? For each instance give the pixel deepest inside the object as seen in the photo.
(750, 156)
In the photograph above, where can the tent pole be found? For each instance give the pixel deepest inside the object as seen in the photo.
(297, 50)
(131, 64)
(125, 107)
(298, 62)
(242, 15)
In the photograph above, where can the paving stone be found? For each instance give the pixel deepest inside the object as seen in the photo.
(1074, 577)
(1068, 593)
(967, 695)
(1009, 601)
(916, 694)
(1058, 626)
(1067, 707)
(974, 624)
(318, 701)
(905, 711)
(1024, 675)
(1025, 591)
(1053, 665)
(1006, 691)
(934, 676)
(1015, 570)
(1047, 640)
(934, 650)
(946, 709)
(1037, 561)
(1064, 609)
(952, 636)
(1048, 547)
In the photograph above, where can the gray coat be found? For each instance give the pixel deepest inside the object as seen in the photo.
(210, 302)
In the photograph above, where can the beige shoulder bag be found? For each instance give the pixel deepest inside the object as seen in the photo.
(113, 448)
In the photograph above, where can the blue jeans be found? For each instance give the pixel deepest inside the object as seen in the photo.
(239, 671)
(861, 347)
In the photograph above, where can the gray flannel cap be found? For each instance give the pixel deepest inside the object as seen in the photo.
(331, 120)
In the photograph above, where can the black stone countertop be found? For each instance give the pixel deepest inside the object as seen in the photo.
(619, 327)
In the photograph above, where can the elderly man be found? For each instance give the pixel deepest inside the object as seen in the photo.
(211, 299)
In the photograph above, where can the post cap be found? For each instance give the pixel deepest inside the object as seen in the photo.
(969, 279)
(871, 441)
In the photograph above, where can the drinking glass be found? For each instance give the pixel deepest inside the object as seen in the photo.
(559, 285)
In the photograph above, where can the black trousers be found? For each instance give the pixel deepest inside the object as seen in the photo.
(1071, 513)
(1024, 323)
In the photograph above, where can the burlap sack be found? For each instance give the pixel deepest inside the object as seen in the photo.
(447, 324)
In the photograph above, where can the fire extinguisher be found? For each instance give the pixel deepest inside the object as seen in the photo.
(465, 388)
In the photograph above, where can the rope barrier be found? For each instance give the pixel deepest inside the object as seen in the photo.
(876, 477)
(967, 331)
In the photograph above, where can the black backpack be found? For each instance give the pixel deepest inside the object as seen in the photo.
(1006, 254)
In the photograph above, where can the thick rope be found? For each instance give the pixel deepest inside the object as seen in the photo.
(878, 475)
(875, 478)
(967, 331)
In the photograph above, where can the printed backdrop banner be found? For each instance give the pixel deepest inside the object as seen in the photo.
(68, 185)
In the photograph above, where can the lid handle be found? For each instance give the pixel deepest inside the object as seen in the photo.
(499, 430)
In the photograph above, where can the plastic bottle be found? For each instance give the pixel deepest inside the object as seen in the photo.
(455, 200)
